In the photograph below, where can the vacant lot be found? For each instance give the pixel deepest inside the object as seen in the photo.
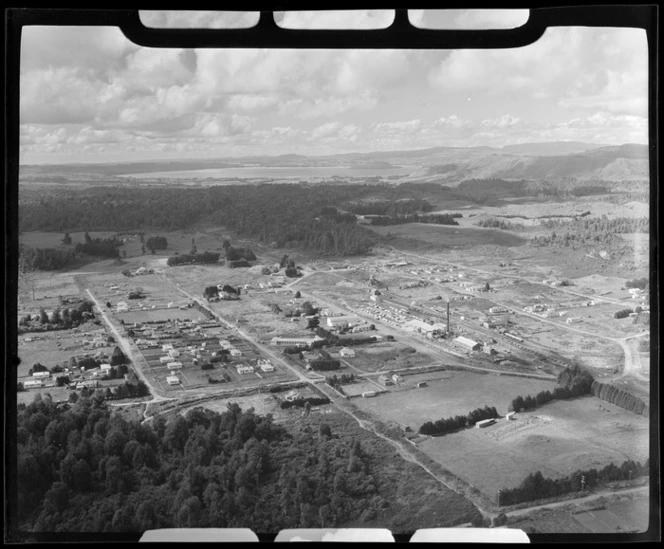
(51, 348)
(153, 315)
(557, 439)
(382, 357)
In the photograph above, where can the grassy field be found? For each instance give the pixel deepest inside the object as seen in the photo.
(619, 514)
(443, 237)
(557, 439)
(449, 394)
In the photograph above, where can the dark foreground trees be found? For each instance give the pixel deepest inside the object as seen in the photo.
(86, 469)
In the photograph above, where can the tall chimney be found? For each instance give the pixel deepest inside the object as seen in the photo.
(448, 318)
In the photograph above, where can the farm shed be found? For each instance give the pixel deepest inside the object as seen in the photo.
(41, 374)
(385, 380)
(33, 383)
(485, 423)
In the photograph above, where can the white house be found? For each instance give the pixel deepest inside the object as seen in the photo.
(174, 353)
(346, 352)
(41, 375)
(236, 352)
(167, 347)
(105, 367)
(174, 365)
(173, 380)
(244, 369)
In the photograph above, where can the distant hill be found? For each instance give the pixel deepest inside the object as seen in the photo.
(445, 165)
(551, 149)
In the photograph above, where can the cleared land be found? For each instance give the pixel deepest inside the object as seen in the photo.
(443, 237)
(450, 393)
(557, 439)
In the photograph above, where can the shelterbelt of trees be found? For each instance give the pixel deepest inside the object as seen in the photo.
(84, 468)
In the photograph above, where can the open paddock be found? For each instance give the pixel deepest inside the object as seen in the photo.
(556, 439)
(449, 236)
(156, 315)
(360, 386)
(451, 393)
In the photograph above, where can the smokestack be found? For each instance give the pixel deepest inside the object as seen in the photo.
(448, 318)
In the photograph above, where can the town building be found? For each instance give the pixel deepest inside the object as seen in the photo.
(467, 343)
(293, 341)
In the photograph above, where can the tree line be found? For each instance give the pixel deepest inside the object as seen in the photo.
(83, 468)
(619, 397)
(188, 259)
(589, 232)
(99, 247)
(390, 208)
(573, 382)
(494, 223)
(434, 219)
(444, 426)
(536, 486)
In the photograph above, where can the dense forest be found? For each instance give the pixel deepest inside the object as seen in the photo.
(536, 486)
(44, 259)
(589, 232)
(280, 215)
(82, 468)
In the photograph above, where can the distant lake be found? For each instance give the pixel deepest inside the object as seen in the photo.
(273, 173)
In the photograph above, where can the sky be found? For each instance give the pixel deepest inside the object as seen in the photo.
(88, 94)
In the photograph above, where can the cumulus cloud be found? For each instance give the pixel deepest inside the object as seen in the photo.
(579, 67)
(187, 19)
(468, 19)
(90, 89)
(335, 19)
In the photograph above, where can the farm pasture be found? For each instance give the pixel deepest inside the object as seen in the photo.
(556, 439)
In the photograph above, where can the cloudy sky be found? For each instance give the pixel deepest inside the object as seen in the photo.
(90, 95)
